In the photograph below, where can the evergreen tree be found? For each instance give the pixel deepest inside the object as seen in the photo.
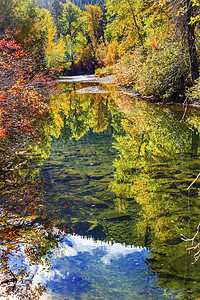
(80, 3)
(56, 12)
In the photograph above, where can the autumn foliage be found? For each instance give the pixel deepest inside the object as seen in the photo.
(23, 98)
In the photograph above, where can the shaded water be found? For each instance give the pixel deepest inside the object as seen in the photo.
(99, 209)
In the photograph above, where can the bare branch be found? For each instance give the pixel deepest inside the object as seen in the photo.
(197, 246)
(189, 187)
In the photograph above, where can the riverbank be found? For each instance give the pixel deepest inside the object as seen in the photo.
(93, 89)
(87, 79)
(93, 79)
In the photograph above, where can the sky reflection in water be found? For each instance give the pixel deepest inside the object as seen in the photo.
(86, 269)
(114, 170)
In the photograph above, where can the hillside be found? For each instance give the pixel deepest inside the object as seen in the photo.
(80, 3)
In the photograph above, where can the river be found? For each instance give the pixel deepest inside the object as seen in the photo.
(100, 208)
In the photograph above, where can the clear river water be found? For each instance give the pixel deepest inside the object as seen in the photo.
(100, 208)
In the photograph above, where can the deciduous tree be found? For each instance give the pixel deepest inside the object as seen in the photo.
(73, 27)
(94, 17)
(23, 100)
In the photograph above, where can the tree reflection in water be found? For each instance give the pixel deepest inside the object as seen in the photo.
(157, 163)
(27, 233)
(195, 244)
(27, 236)
(158, 159)
(148, 204)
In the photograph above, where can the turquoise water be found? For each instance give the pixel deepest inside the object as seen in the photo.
(100, 206)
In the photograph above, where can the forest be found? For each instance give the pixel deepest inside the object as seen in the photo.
(101, 160)
(80, 3)
(151, 46)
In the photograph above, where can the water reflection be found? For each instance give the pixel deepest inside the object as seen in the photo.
(26, 231)
(88, 269)
(157, 162)
(114, 170)
(26, 234)
(147, 203)
(74, 114)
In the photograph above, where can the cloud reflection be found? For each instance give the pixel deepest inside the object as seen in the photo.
(77, 248)
(75, 244)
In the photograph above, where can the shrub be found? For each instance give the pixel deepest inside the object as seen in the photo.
(126, 70)
(163, 73)
(112, 53)
(23, 98)
(193, 92)
(105, 71)
(156, 72)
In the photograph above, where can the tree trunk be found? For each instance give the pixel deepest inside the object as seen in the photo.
(191, 43)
